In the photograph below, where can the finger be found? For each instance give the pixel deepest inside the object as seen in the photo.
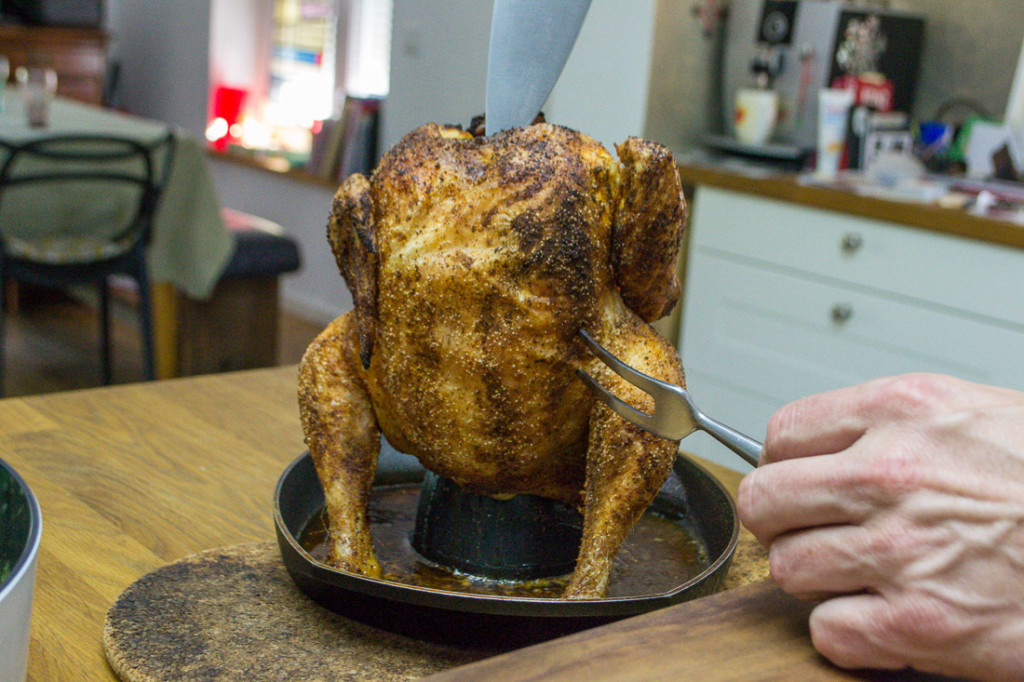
(833, 421)
(846, 488)
(820, 424)
(827, 561)
(858, 631)
(794, 495)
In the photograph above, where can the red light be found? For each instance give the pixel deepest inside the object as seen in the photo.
(227, 105)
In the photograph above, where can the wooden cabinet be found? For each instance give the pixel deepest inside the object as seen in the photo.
(783, 301)
(79, 55)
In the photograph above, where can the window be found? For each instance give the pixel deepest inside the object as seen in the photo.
(287, 72)
(302, 62)
(368, 57)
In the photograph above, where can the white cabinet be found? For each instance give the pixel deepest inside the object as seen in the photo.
(783, 301)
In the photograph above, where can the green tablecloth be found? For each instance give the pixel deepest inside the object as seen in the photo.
(190, 245)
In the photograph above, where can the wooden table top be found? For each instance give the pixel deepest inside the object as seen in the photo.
(131, 478)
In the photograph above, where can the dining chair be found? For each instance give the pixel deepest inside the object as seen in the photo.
(76, 210)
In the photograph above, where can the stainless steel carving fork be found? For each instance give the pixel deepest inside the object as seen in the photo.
(675, 414)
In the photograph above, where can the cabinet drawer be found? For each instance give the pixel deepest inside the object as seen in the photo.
(944, 271)
(781, 337)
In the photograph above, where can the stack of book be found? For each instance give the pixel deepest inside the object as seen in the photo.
(347, 144)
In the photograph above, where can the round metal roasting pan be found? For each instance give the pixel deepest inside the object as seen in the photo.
(492, 622)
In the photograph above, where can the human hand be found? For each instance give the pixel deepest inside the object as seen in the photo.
(900, 504)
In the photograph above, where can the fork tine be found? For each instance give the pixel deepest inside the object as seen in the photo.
(618, 405)
(645, 383)
(675, 415)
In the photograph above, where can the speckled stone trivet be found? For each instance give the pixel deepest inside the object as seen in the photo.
(749, 563)
(235, 614)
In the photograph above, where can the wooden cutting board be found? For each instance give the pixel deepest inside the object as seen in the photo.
(755, 632)
(235, 614)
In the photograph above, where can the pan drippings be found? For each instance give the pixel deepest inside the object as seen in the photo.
(659, 554)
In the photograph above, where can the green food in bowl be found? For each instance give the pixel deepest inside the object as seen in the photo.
(21, 525)
(15, 523)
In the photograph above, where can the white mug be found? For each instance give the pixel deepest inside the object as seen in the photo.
(756, 113)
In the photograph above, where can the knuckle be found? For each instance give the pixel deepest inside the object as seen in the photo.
(885, 545)
(779, 422)
(923, 621)
(891, 472)
(781, 567)
(850, 639)
(747, 496)
(907, 627)
(751, 503)
(782, 426)
(835, 639)
(913, 394)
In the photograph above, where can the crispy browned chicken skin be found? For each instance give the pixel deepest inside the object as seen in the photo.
(473, 262)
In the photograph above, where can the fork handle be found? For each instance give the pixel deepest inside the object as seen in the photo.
(744, 446)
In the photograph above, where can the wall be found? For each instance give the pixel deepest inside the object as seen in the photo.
(439, 68)
(240, 42)
(603, 89)
(970, 51)
(317, 292)
(649, 50)
(437, 72)
(163, 48)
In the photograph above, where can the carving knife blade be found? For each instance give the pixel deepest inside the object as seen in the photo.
(530, 43)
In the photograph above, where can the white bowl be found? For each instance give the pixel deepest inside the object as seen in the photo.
(21, 524)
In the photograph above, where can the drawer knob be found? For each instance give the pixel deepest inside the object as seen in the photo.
(851, 241)
(841, 312)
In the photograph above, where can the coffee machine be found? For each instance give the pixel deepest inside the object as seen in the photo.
(797, 47)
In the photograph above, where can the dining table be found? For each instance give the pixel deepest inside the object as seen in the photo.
(139, 482)
(190, 245)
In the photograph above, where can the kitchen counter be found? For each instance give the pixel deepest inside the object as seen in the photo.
(793, 188)
(793, 287)
(132, 478)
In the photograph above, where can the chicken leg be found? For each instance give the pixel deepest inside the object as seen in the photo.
(626, 466)
(343, 439)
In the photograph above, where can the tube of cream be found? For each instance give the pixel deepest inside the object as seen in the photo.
(833, 108)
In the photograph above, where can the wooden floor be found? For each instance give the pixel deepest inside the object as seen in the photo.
(52, 344)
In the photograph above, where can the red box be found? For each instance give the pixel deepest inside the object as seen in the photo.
(870, 89)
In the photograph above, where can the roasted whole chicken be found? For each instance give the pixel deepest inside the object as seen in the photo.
(473, 262)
